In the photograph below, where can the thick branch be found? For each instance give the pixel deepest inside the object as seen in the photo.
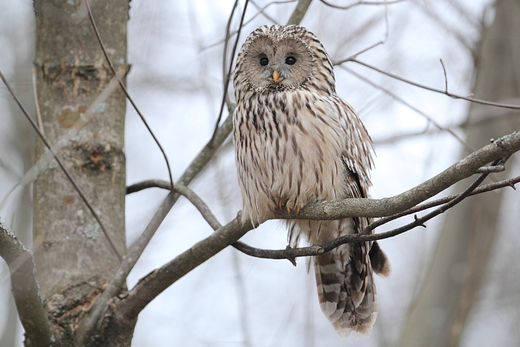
(365, 235)
(466, 167)
(25, 289)
(157, 281)
(292, 253)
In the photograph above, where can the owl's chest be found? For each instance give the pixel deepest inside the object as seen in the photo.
(299, 125)
(288, 146)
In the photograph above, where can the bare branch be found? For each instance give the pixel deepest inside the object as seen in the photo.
(366, 235)
(227, 77)
(431, 120)
(292, 253)
(153, 284)
(445, 76)
(157, 281)
(261, 11)
(299, 12)
(452, 95)
(182, 190)
(380, 42)
(25, 290)
(361, 3)
(503, 147)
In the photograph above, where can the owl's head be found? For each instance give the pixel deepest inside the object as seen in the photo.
(279, 58)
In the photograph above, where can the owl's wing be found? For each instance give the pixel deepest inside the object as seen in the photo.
(344, 276)
(357, 159)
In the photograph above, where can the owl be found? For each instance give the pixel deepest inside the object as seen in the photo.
(297, 142)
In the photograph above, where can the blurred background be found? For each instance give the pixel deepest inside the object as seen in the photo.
(176, 49)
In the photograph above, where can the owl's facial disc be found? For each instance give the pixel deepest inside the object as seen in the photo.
(282, 64)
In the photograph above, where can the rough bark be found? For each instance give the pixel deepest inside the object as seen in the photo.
(460, 260)
(73, 257)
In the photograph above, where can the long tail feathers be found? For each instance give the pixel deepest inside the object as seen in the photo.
(346, 288)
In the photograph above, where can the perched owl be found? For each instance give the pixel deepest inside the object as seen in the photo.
(297, 142)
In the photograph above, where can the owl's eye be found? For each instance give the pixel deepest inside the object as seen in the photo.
(264, 61)
(290, 60)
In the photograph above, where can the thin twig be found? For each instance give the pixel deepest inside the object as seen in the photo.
(37, 102)
(431, 120)
(227, 78)
(225, 72)
(452, 95)
(60, 163)
(445, 77)
(261, 11)
(123, 88)
(361, 3)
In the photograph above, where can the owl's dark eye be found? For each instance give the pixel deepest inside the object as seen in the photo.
(290, 60)
(264, 61)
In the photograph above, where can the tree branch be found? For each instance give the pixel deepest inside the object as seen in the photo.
(299, 12)
(292, 253)
(227, 76)
(182, 190)
(464, 168)
(158, 280)
(440, 91)
(361, 3)
(25, 290)
(153, 284)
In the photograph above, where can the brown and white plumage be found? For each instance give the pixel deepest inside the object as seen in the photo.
(297, 142)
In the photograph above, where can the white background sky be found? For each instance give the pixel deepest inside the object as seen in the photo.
(175, 48)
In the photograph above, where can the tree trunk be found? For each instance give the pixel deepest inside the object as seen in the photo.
(73, 256)
(463, 250)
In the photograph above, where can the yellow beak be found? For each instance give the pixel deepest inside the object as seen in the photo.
(276, 75)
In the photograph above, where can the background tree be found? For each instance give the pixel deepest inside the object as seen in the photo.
(463, 251)
(180, 92)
